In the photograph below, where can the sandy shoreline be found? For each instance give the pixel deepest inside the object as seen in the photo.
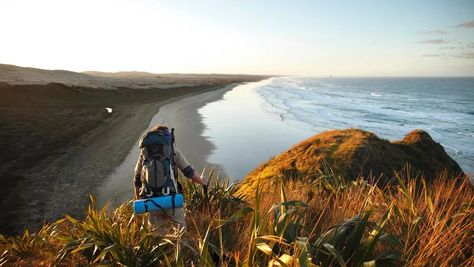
(61, 175)
(181, 114)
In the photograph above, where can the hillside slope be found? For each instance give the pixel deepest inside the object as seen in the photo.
(356, 153)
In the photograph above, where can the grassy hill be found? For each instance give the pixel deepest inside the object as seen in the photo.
(291, 221)
(355, 153)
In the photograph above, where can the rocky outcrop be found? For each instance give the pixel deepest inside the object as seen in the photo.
(354, 153)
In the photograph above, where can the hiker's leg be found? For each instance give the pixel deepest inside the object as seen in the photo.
(178, 217)
(162, 220)
(160, 223)
(180, 226)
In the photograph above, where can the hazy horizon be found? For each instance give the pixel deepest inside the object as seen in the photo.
(91, 72)
(305, 38)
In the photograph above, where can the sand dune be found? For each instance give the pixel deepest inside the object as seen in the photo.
(94, 79)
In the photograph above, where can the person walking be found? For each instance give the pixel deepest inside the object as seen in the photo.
(155, 175)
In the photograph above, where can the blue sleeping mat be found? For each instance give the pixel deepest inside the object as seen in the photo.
(157, 203)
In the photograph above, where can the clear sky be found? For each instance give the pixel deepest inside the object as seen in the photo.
(317, 38)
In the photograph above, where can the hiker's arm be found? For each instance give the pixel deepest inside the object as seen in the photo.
(198, 179)
(186, 168)
(137, 182)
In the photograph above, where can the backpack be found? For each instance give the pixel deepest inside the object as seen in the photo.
(158, 168)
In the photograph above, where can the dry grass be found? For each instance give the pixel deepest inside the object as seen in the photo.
(409, 224)
(432, 222)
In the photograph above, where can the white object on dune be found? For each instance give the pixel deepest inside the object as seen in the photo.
(109, 110)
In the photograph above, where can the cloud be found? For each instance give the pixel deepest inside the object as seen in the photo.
(467, 24)
(431, 55)
(440, 32)
(448, 48)
(433, 41)
(466, 55)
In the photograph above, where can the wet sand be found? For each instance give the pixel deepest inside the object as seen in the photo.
(59, 144)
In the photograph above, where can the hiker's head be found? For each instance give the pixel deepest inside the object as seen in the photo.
(160, 127)
(155, 132)
(164, 130)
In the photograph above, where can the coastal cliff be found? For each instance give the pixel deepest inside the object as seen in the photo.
(354, 153)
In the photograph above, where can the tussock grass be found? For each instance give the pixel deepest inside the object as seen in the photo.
(299, 222)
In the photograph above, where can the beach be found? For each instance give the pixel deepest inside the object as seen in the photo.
(60, 144)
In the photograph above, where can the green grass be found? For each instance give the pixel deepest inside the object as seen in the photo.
(322, 222)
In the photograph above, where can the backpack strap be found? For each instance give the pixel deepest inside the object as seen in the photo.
(172, 203)
(177, 184)
(148, 190)
(173, 141)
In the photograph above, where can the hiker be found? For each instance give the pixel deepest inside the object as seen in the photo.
(156, 175)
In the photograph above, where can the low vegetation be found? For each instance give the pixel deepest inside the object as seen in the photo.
(351, 153)
(325, 221)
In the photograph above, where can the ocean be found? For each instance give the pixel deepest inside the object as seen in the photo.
(256, 121)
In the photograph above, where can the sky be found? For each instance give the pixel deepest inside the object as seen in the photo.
(308, 38)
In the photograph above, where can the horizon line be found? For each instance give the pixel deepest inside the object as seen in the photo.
(87, 72)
